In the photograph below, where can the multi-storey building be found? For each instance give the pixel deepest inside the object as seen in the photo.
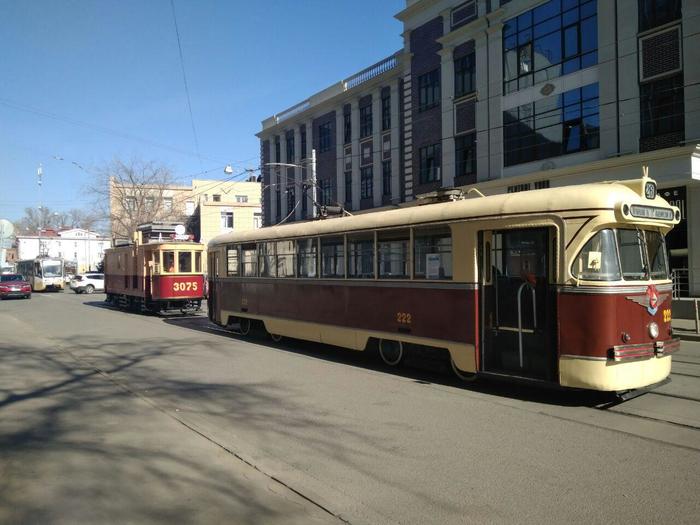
(505, 95)
(83, 250)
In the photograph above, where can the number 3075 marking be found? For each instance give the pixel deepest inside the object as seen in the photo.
(403, 318)
(185, 287)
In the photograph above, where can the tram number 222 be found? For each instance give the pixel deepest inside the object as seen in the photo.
(185, 287)
(403, 318)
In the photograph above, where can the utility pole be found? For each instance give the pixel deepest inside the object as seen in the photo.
(39, 174)
(314, 185)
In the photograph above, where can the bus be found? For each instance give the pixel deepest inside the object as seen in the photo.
(567, 286)
(43, 273)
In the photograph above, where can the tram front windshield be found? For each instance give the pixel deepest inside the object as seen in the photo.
(52, 269)
(623, 254)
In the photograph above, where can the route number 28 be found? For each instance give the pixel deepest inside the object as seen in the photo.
(185, 287)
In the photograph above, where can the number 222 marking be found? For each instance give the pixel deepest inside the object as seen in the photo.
(403, 318)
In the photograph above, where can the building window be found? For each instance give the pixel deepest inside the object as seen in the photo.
(167, 203)
(325, 192)
(347, 128)
(278, 152)
(226, 220)
(464, 75)
(655, 13)
(303, 143)
(325, 137)
(366, 182)
(348, 189)
(130, 203)
(289, 136)
(552, 126)
(548, 42)
(305, 201)
(662, 106)
(429, 90)
(278, 203)
(365, 121)
(241, 198)
(216, 197)
(386, 178)
(386, 112)
(429, 163)
(149, 202)
(257, 219)
(291, 198)
(465, 156)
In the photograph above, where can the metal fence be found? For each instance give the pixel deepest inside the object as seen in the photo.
(681, 286)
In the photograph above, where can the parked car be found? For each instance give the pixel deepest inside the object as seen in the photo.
(14, 285)
(88, 283)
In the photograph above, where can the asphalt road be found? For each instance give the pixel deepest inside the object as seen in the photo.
(113, 417)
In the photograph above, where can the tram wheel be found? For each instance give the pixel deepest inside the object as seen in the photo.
(464, 376)
(276, 337)
(245, 325)
(391, 352)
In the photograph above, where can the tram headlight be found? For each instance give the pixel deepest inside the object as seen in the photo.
(653, 330)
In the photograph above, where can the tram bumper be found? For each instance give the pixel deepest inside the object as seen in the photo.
(627, 367)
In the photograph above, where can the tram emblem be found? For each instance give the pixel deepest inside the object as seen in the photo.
(650, 301)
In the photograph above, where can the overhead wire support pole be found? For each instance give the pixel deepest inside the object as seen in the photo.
(314, 188)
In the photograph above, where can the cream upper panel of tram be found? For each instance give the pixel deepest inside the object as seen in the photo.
(567, 200)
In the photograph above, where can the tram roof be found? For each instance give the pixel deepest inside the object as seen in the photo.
(600, 195)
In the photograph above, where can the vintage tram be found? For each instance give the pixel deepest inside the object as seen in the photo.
(568, 286)
(161, 270)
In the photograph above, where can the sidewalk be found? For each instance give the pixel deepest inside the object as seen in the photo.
(685, 329)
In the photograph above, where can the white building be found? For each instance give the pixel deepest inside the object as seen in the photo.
(83, 248)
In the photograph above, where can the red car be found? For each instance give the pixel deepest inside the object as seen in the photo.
(14, 285)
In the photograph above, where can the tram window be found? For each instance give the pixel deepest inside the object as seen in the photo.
(232, 260)
(197, 262)
(266, 259)
(169, 262)
(184, 261)
(332, 257)
(632, 257)
(597, 261)
(392, 253)
(361, 257)
(307, 255)
(285, 259)
(249, 261)
(656, 249)
(432, 253)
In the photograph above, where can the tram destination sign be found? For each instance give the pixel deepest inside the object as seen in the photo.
(651, 212)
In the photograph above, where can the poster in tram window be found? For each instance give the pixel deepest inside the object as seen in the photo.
(432, 265)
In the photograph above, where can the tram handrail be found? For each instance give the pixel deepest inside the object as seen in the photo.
(520, 316)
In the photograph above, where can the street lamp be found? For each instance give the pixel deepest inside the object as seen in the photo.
(313, 178)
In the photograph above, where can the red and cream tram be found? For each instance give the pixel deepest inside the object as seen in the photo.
(160, 271)
(565, 285)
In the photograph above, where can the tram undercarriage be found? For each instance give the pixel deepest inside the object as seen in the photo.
(140, 304)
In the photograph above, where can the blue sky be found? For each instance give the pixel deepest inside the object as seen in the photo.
(91, 80)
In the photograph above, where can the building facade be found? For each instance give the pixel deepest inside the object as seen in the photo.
(81, 249)
(505, 95)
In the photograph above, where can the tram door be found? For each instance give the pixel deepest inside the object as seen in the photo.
(518, 303)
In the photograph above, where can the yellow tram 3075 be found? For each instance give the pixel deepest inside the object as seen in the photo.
(568, 286)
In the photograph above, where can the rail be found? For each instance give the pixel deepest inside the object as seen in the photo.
(681, 286)
(294, 110)
(372, 71)
(520, 316)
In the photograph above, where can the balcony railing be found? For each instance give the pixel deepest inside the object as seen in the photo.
(369, 73)
(294, 110)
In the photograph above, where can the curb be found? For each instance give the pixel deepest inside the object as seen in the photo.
(686, 336)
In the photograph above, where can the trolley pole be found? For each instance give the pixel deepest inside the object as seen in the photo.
(39, 174)
(314, 186)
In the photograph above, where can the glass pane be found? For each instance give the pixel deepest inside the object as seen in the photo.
(232, 261)
(285, 259)
(571, 41)
(432, 254)
(548, 10)
(597, 261)
(632, 255)
(249, 261)
(184, 261)
(548, 50)
(361, 258)
(169, 262)
(266, 259)
(657, 255)
(332, 257)
(392, 251)
(197, 262)
(307, 257)
(589, 34)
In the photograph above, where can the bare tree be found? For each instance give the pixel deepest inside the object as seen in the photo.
(129, 193)
(35, 219)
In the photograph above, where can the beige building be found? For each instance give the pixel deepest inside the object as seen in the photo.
(221, 207)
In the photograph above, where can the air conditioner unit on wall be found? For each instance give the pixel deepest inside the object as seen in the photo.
(660, 54)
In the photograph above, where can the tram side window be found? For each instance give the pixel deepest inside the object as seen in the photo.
(432, 253)
(184, 261)
(266, 259)
(631, 243)
(332, 257)
(361, 257)
(656, 248)
(392, 253)
(249, 260)
(285, 259)
(169, 262)
(597, 261)
(197, 262)
(307, 255)
(232, 260)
